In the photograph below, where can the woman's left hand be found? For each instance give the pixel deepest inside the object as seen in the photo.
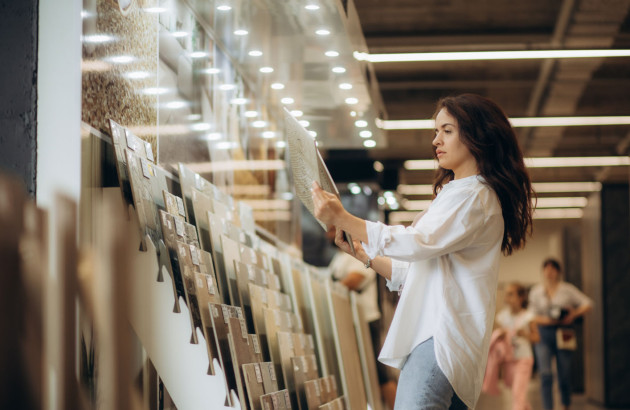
(569, 318)
(327, 207)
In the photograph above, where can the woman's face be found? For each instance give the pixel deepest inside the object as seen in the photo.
(551, 274)
(450, 151)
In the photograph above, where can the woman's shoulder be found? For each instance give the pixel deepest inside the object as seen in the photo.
(536, 290)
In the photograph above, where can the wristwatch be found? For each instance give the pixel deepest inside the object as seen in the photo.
(368, 264)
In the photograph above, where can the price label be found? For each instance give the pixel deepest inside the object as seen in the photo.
(258, 373)
(147, 170)
(272, 372)
(256, 343)
(180, 207)
(149, 151)
(226, 313)
(210, 284)
(194, 254)
(179, 227)
(215, 311)
(131, 140)
(243, 328)
(318, 390)
(276, 404)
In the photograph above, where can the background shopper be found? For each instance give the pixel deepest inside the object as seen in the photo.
(556, 304)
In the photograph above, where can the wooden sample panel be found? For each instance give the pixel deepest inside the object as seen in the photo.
(175, 230)
(174, 205)
(220, 315)
(217, 229)
(337, 404)
(202, 204)
(252, 374)
(276, 401)
(231, 254)
(243, 351)
(347, 350)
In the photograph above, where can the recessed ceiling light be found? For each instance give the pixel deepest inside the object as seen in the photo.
(198, 54)
(378, 166)
(251, 114)
(224, 7)
(351, 100)
(361, 123)
(297, 113)
(312, 133)
(266, 70)
(369, 143)
(338, 70)
(155, 91)
(281, 144)
(332, 53)
(268, 134)
(345, 86)
(174, 105)
(239, 101)
(97, 38)
(322, 32)
(277, 86)
(259, 124)
(155, 9)
(213, 136)
(200, 126)
(311, 7)
(287, 100)
(255, 53)
(211, 71)
(121, 59)
(227, 87)
(366, 134)
(304, 123)
(180, 34)
(137, 75)
(241, 32)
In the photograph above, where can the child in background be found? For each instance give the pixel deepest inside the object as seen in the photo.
(511, 346)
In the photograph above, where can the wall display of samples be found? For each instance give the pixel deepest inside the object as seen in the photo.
(237, 291)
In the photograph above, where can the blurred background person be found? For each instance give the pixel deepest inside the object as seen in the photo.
(511, 348)
(555, 305)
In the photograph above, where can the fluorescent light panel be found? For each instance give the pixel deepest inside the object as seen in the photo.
(543, 162)
(488, 55)
(429, 124)
(400, 217)
(540, 187)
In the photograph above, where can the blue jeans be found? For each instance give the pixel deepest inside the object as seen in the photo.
(422, 385)
(545, 350)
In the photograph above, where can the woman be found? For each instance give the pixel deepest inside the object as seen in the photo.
(445, 264)
(511, 347)
(556, 304)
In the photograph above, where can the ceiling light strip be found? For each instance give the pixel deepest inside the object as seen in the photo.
(539, 187)
(429, 124)
(543, 162)
(400, 217)
(488, 55)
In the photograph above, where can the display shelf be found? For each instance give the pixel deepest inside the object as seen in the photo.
(165, 335)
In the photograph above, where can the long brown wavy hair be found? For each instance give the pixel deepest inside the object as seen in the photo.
(485, 130)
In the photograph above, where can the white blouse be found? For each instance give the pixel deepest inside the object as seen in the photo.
(446, 265)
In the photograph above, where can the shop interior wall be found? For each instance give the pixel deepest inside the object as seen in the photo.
(18, 71)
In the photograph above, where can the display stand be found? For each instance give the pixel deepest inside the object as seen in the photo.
(165, 335)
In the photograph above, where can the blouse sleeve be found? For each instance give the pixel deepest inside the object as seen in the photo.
(578, 298)
(442, 230)
(399, 275)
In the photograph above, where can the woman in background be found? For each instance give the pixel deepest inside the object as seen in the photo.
(446, 263)
(511, 347)
(556, 304)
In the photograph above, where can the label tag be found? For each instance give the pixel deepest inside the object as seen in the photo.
(131, 140)
(272, 372)
(215, 311)
(256, 343)
(210, 284)
(287, 399)
(243, 328)
(146, 171)
(258, 373)
(251, 273)
(179, 227)
(274, 398)
(199, 282)
(149, 151)
(318, 390)
(194, 254)
(226, 313)
(180, 206)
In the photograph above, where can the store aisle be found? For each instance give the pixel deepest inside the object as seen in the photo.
(504, 402)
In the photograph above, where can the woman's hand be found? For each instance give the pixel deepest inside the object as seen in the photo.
(327, 207)
(569, 318)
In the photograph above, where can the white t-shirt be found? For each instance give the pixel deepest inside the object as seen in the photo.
(513, 323)
(566, 296)
(448, 262)
(341, 265)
